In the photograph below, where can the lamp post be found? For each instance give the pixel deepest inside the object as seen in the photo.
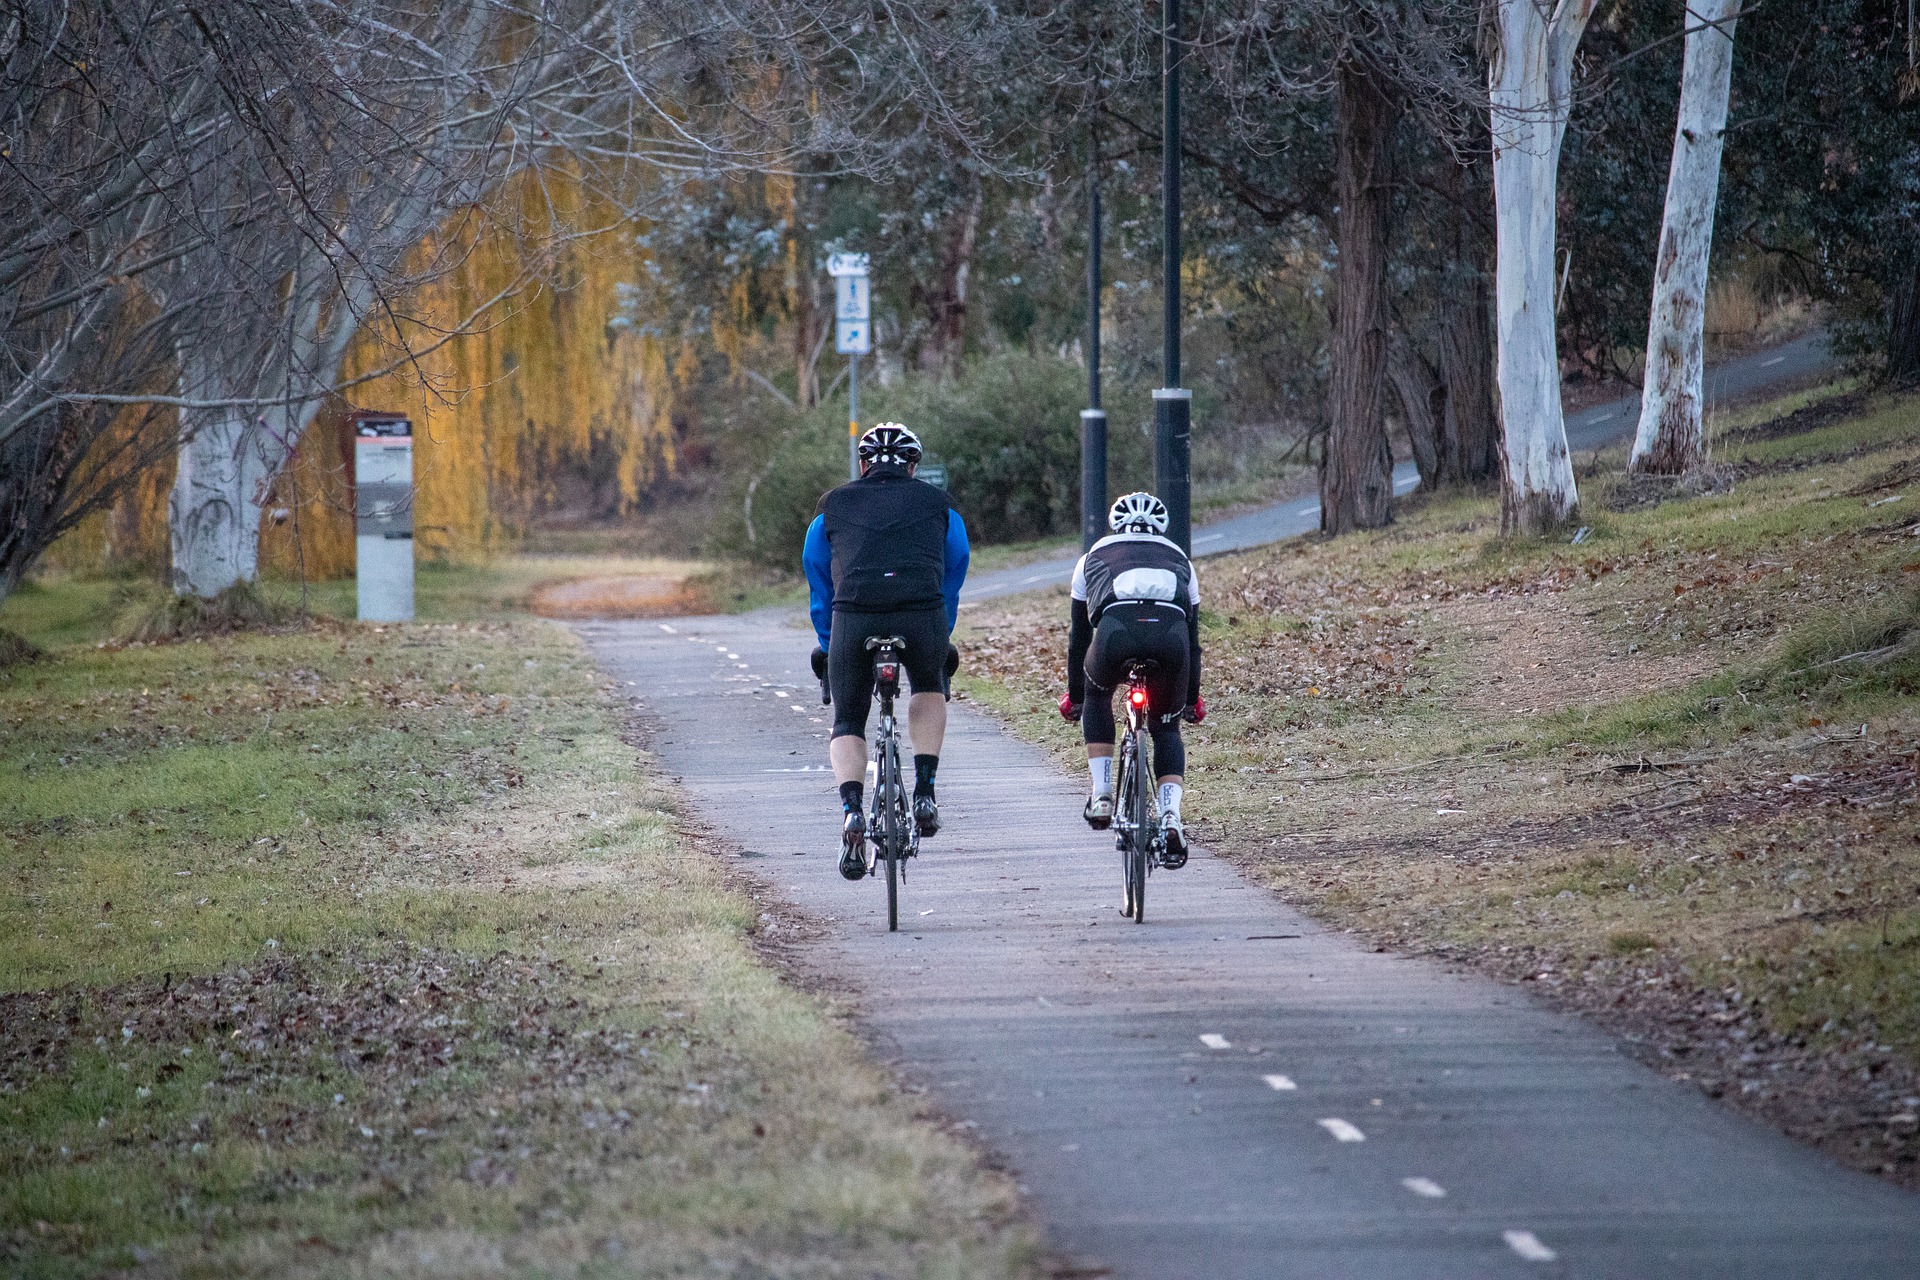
(1172, 406)
(1093, 419)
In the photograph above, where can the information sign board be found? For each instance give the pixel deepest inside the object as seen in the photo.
(853, 337)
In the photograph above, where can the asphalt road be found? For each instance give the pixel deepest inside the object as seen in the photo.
(1229, 1090)
(1595, 427)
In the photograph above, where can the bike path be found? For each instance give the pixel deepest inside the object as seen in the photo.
(1594, 427)
(1165, 1091)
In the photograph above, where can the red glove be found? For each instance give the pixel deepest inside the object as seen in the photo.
(1197, 712)
(1069, 709)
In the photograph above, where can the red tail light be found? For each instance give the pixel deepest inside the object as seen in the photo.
(889, 672)
(1138, 697)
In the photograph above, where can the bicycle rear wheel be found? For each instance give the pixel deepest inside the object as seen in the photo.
(892, 836)
(1140, 821)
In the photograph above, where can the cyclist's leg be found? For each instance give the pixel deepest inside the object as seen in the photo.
(850, 677)
(1105, 669)
(926, 635)
(1167, 696)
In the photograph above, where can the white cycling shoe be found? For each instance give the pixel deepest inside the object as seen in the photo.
(1174, 841)
(1099, 812)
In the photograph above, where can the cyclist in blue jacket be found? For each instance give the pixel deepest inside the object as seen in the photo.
(885, 555)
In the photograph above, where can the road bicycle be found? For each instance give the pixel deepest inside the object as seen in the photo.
(891, 830)
(1136, 817)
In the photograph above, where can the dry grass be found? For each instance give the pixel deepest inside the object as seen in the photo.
(364, 952)
(1665, 776)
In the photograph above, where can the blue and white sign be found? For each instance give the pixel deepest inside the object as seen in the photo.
(846, 264)
(853, 338)
(851, 298)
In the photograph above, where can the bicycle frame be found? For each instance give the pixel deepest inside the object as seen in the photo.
(892, 830)
(1135, 811)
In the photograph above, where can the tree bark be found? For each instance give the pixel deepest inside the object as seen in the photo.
(1903, 331)
(1469, 425)
(1531, 86)
(1672, 434)
(1417, 388)
(1356, 472)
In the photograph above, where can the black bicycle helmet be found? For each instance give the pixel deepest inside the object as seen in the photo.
(1138, 513)
(888, 443)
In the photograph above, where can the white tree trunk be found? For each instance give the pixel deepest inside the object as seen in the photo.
(1672, 435)
(1531, 87)
(219, 486)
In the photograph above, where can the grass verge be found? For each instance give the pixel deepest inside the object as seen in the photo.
(375, 951)
(1666, 776)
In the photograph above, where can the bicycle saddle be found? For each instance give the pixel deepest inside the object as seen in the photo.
(897, 643)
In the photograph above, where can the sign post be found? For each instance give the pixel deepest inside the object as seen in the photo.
(383, 516)
(853, 337)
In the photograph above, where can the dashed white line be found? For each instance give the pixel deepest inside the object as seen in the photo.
(1768, 364)
(719, 648)
(1214, 1040)
(1528, 1246)
(1342, 1130)
(1280, 1084)
(1424, 1187)
(669, 630)
(1212, 537)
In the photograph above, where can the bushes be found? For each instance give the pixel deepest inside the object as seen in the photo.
(1008, 430)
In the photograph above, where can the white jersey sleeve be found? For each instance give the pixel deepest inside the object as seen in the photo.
(1078, 590)
(1193, 584)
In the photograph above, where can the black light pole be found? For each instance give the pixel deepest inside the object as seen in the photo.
(1093, 419)
(1172, 406)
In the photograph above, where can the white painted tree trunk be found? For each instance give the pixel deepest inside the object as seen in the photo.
(1672, 435)
(221, 476)
(1531, 86)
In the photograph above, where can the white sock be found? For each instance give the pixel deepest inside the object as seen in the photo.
(1101, 767)
(1170, 799)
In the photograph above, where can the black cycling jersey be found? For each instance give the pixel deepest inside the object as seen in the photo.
(888, 535)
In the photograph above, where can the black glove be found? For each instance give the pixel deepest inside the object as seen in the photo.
(819, 661)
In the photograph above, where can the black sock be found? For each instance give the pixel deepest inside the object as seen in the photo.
(924, 767)
(850, 796)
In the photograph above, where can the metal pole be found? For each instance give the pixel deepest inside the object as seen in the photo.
(1093, 420)
(1172, 407)
(853, 417)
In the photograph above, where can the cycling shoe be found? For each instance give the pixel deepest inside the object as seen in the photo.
(1099, 812)
(853, 847)
(1174, 855)
(926, 814)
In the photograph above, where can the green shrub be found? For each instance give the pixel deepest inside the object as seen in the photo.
(1008, 430)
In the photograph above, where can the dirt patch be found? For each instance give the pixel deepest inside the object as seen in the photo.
(1545, 653)
(640, 595)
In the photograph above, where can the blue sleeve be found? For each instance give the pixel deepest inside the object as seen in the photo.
(816, 557)
(958, 554)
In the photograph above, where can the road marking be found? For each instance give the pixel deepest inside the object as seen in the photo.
(669, 630)
(1528, 1246)
(780, 693)
(1212, 537)
(1214, 1040)
(734, 657)
(1424, 1187)
(1038, 577)
(927, 912)
(719, 648)
(1280, 1084)
(797, 707)
(1768, 364)
(1342, 1130)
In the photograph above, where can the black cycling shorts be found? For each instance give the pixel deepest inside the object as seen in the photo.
(1130, 633)
(850, 666)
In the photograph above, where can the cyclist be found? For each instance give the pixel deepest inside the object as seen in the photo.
(885, 555)
(1135, 598)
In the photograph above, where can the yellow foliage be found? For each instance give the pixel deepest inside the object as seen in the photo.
(547, 381)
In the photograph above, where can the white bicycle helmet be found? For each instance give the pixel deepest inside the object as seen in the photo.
(1138, 513)
(888, 442)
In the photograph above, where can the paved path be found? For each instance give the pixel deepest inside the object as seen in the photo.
(1229, 1090)
(1591, 428)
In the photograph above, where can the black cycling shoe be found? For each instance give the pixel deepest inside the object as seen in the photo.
(1173, 855)
(1099, 812)
(853, 847)
(926, 814)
